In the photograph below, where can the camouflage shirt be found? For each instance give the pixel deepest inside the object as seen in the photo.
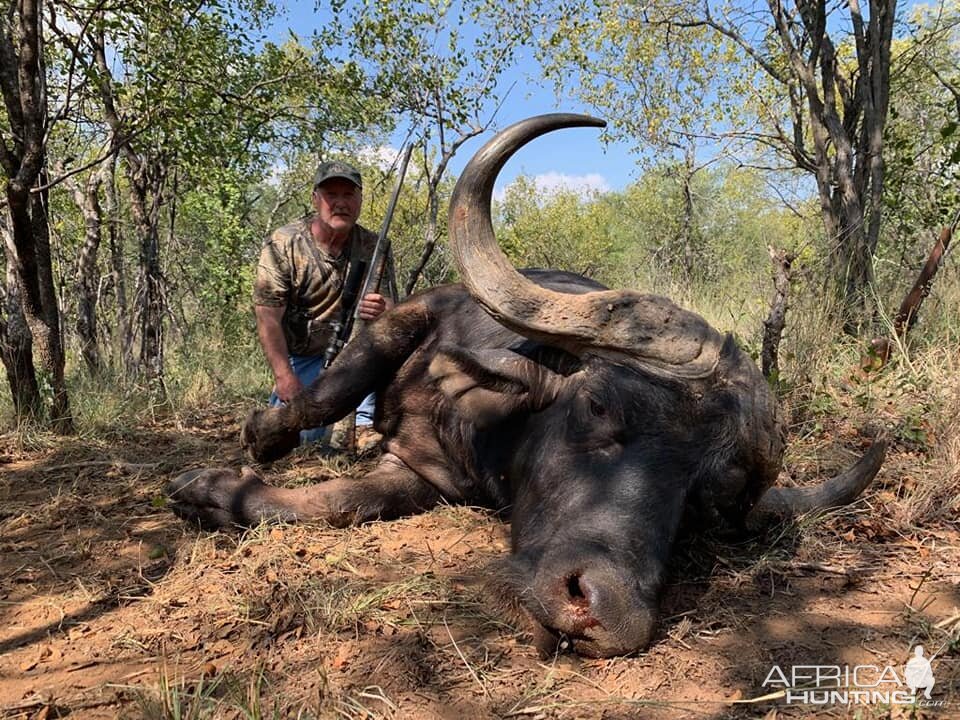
(295, 273)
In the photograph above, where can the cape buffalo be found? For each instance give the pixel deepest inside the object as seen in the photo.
(598, 417)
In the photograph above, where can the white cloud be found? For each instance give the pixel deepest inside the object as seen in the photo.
(381, 156)
(551, 183)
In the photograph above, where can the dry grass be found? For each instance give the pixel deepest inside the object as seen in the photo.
(110, 607)
(383, 621)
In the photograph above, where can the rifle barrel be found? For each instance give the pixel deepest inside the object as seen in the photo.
(379, 258)
(349, 307)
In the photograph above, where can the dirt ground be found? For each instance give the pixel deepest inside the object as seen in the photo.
(112, 607)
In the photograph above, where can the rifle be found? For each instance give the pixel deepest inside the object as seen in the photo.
(352, 288)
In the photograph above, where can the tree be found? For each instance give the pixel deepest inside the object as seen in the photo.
(215, 254)
(23, 136)
(421, 58)
(807, 82)
(735, 218)
(923, 135)
(179, 88)
(563, 229)
(86, 281)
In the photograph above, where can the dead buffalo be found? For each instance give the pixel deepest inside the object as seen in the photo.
(599, 417)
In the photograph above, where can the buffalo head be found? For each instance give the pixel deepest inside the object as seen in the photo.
(627, 413)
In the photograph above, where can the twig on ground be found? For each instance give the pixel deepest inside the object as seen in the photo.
(464, 660)
(119, 464)
(949, 621)
(812, 566)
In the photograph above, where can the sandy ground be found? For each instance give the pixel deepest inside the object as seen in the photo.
(111, 607)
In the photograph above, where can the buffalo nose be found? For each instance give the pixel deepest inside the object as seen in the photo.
(593, 607)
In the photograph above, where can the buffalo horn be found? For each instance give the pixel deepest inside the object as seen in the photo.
(649, 328)
(780, 503)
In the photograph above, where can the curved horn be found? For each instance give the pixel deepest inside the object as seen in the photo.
(778, 504)
(648, 327)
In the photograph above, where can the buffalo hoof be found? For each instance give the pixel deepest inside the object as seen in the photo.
(218, 497)
(265, 437)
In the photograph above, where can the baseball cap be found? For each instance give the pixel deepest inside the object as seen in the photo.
(336, 169)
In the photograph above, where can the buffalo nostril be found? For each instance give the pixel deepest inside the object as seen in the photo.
(576, 592)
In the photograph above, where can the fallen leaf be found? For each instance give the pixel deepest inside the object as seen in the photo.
(157, 552)
(342, 658)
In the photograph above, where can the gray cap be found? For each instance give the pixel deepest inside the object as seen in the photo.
(336, 169)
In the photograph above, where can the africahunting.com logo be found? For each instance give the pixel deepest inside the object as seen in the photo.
(911, 684)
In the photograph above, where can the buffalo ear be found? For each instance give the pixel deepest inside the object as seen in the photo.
(488, 386)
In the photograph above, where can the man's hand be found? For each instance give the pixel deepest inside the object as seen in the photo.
(270, 332)
(373, 305)
(288, 386)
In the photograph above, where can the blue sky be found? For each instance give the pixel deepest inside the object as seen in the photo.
(574, 158)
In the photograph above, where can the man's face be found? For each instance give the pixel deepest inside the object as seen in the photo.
(337, 202)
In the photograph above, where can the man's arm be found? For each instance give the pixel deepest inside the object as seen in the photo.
(274, 344)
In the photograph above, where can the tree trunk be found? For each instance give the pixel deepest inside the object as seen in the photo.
(430, 235)
(16, 343)
(433, 196)
(149, 307)
(124, 336)
(777, 317)
(687, 230)
(146, 176)
(23, 156)
(881, 348)
(847, 114)
(87, 280)
(31, 261)
(909, 311)
(50, 339)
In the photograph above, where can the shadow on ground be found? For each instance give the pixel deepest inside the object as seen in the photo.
(108, 604)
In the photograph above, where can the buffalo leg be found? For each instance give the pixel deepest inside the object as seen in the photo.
(219, 497)
(367, 364)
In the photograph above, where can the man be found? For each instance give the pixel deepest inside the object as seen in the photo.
(299, 282)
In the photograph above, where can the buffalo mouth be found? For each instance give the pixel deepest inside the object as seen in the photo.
(589, 610)
(593, 642)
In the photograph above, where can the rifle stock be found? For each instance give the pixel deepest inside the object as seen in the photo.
(343, 326)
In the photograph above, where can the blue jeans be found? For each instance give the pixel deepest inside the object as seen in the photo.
(308, 368)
